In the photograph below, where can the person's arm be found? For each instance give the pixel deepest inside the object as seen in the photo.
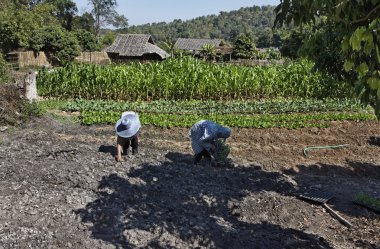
(118, 157)
(208, 135)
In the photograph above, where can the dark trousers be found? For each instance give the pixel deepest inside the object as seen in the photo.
(203, 154)
(130, 141)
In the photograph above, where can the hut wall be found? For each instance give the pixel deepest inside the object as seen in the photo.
(115, 58)
(27, 59)
(93, 58)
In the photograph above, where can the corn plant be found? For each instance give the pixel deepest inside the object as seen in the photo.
(186, 78)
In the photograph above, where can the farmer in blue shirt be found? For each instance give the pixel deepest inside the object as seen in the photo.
(203, 136)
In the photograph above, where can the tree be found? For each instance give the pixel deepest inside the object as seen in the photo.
(323, 45)
(66, 10)
(292, 43)
(17, 23)
(264, 39)
(87, 40)
(358, 24)
(208, 51)
(244, 47)
(86, 21)
(108, 38)
(168, 46)
(56, 42)
(104, 13)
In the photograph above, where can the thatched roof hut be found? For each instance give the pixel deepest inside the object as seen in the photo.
(195, 45)
(135, 46)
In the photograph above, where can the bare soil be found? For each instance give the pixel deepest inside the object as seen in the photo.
(10, 104)
(60, 187)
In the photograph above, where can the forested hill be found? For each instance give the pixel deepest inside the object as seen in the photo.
(255, 21)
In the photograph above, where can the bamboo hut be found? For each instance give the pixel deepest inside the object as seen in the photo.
(132, 47)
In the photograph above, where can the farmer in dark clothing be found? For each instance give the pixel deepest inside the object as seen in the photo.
(127, 129)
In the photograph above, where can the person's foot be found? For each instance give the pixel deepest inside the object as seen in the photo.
(197, 159)
(135, 151)
(125, 151)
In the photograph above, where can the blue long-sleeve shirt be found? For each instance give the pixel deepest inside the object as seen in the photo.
(204, 133)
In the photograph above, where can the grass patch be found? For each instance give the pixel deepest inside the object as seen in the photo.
(368, 201)
(47, 105)
(65, 118)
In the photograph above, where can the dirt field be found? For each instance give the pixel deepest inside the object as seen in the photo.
(60, 187)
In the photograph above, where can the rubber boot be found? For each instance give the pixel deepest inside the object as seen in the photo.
(197, 158)
(135, 151)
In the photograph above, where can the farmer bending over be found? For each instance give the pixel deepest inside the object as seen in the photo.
(203, 136)
(127, 133)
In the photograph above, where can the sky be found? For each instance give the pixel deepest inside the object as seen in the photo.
(150, 11)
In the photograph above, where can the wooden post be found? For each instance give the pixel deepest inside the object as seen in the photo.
(30, 86)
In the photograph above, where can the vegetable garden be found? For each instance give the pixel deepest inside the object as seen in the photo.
(181, 91)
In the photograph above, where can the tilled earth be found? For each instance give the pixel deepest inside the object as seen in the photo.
(60, 187)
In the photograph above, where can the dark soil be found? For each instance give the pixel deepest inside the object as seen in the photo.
(10, 104)
(60, 187)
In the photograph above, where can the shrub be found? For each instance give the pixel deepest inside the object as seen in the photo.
(3, 69)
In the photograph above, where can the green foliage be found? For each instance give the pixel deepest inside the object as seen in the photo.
(47, 105)
(59, 43)
(87, 40)
(212, 107)
(104, 12)
(65, 12)
(3, 69)
(108, 38)
(208, 52)
(244, 47)
(187, 78)
(367, 200)
(358, 26)
(17, 23)
(293, 42)
(323, 46)
(86, 21)
(267, 114)
(268, 54)
(31, 109)
(222, 151)
(291, 121)
(227, 26)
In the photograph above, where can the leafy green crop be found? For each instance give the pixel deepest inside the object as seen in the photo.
(231, 120)
(217, 107)
(222, 150)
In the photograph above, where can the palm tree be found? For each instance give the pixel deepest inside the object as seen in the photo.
(208, 52)
(168, 46)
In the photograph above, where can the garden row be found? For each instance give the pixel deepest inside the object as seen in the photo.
(264, 114)
(292, 121)
(186, 78)
(214, 107)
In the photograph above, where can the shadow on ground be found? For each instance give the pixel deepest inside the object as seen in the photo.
(177, 205)
(343, 181)
(374, 141)
(108, 149)
(353, 169)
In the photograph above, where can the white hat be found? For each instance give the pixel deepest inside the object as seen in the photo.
(127, 126)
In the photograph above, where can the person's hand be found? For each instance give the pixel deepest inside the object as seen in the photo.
(212, 150)
(118, 158)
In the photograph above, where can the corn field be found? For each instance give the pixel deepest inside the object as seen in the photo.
(187, 78)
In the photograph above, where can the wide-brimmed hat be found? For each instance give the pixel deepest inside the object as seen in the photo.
(127, 126)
